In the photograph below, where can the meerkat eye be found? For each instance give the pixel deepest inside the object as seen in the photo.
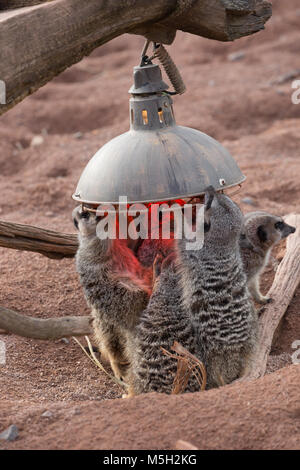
(206, 226)
(243, 236)
(85, 215)
(279, 225)
(75, 223)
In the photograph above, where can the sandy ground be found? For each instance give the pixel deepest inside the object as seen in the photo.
(238, 103)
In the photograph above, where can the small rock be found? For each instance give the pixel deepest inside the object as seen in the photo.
(211, 83)
(10, 434)
(65, 340)
(19, 146)
(49, 214)
(37, 140)
(78, 135)
(47, 414)
(249, 201)
(235, 56)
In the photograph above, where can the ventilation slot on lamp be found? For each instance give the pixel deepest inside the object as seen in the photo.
(160, 115)
(145, 117)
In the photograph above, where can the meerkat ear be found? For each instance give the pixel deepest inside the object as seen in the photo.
(208, 199)
(75, 222)
(262, 234)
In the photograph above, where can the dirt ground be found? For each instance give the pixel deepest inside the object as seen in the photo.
(243, 105)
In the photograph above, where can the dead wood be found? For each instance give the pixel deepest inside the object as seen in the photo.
(49, 328)
(11, 4)
(187, 365)
(184, 445)
(46, 242)
(285, 283)
(39, 42)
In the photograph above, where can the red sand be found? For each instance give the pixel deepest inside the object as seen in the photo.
(233, 102)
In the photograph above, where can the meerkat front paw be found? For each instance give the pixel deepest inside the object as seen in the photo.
(264, 300)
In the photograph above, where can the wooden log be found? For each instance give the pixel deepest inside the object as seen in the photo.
(11, 4)
(49, 328)
(46, 242)
(285, 283)
(38, 42)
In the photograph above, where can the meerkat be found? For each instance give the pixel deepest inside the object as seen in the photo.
(161, 323)
(261, 232)
(116, 287)
(215, 293)
(149, 249)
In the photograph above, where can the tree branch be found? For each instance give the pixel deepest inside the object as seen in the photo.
(46, 242)
(39, 42)
(49, 328)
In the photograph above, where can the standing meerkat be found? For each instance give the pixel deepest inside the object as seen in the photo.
(261, 232)
(116, 287)
(163, 322)
(215, 293)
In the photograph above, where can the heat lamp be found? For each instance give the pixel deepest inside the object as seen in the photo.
(156, 160)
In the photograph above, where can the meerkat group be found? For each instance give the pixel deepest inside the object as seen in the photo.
(200, 298)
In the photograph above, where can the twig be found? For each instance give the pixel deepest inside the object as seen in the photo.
(40, 328)
(29, 238)
(187, 364)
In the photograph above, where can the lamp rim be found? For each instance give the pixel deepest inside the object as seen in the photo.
(183, 196)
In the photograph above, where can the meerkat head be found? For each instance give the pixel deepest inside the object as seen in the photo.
(222, 218)
(265, 229)
(85, 222)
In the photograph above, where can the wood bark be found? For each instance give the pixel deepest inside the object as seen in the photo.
(46, 242)
(49, 328)
(286, 281)
(11, 4)
(38, 42)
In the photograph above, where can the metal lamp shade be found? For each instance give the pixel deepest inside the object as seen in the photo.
(156, 160)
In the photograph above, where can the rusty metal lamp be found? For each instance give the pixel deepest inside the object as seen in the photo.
(156, 160)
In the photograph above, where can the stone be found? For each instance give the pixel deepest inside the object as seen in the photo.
(235, 56)
(10, 434)
(37, 140)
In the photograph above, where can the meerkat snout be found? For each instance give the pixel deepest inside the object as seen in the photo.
(261, 231)
(84, 221)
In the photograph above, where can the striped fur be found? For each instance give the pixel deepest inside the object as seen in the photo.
(116, 288)
(163, 322)
(215, 295)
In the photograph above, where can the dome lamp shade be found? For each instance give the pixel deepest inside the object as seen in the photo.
(156, 160)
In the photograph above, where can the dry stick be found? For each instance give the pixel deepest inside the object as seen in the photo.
(285, 283)
(187, 364)
(46, 242)
(49, 328)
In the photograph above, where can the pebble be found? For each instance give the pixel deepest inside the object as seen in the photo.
(37, 140)
(78, 135)
(235, 56)
(10, 434)
(249, 201)
(47, 414)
